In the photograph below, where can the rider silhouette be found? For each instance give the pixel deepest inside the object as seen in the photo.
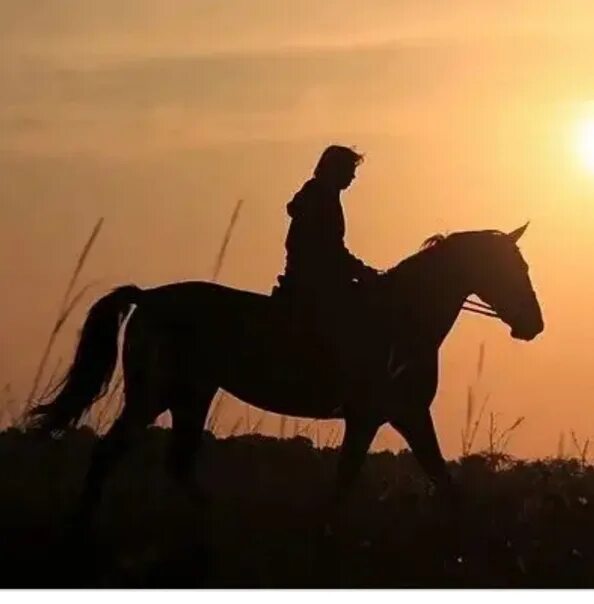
(318, 262)
(321, 274)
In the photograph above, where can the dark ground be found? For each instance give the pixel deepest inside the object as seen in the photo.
(522, 524)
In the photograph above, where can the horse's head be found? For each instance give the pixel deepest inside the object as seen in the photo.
(498, 275)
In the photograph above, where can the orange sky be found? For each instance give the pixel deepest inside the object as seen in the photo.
(159, 116)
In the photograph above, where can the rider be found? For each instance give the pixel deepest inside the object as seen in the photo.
(317, 258)
(320, 272)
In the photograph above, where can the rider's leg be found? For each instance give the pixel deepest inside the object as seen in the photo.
(359, 353)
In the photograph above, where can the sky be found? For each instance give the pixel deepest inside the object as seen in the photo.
(159, 116)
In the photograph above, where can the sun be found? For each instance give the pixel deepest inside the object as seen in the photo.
(585, 143)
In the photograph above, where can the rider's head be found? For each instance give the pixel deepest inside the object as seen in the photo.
(337, 165)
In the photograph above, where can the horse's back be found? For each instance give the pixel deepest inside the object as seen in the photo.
(192, 298)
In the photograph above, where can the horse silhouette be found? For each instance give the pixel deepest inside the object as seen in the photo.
(184, 341)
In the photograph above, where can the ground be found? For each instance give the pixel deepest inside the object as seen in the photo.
(514, 523)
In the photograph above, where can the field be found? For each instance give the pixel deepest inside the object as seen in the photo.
(516, 524)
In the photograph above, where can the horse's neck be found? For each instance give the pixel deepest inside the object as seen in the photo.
(432, 291)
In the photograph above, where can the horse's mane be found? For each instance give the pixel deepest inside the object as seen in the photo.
(438, 239)
(433, 240)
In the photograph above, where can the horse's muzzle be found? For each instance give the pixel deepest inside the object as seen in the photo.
(527, 329)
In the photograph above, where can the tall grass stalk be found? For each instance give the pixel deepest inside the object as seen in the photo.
(236, 426)
(248, 418)
(256, 427)
(68, 304)
(561, 446)
(474, 419)
(6, 406)
(220, 259)
(218, 266)
(499, 439)
(212, 422)
(581, 448)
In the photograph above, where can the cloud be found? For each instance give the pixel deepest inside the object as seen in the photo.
(79, 31)
(144, 103)
(205, 97)
(264, 81)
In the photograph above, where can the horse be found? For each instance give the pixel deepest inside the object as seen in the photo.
(185, 341)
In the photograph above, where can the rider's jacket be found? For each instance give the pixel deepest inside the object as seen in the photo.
(316, 256)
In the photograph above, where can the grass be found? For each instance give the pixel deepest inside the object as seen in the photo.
(104, 412)
(522, 524)
(498, 437)
(69, 303)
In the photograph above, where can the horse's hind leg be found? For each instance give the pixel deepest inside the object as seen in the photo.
(358, 437)
(191, 401)
(140, 409)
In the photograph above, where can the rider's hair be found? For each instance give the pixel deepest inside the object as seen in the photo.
(335, 157)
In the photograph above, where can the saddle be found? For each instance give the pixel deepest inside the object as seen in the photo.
(331, 332)
(294, 322)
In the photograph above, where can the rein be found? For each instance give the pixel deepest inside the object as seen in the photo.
(480, 308)
(474, 306)
(477, 307)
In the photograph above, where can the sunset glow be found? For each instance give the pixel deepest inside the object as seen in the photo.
(161, 116)
(585, 143)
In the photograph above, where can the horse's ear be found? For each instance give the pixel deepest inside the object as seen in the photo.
(515, 235)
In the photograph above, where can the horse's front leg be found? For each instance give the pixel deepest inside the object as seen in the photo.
(359, 434)
(414, 390)
(416, 425)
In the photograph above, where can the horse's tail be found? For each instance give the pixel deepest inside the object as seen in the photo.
(94, 362)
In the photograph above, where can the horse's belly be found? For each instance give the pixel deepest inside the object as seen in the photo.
(281, 387)
(259, 360)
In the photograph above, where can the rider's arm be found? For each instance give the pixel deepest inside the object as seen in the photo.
(357, 267)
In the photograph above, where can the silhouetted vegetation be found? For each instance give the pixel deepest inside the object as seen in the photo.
(516, 523)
